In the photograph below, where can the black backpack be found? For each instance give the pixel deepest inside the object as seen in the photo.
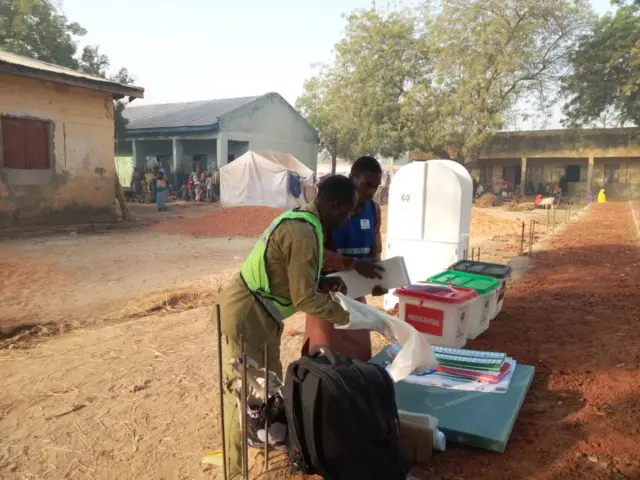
(343, 419)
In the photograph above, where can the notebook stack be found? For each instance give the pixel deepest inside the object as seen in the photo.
(486, 367)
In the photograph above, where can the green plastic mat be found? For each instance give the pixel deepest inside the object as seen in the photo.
(478, 419)
(481, 284)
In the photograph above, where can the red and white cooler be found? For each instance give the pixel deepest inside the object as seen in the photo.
(438, 311)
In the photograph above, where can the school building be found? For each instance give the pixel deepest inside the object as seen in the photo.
(589, 158)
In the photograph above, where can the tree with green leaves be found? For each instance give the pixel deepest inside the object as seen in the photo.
(325, 105)
(359, 103)
(605, 77)
(37, 29)
(382, 57)
(490, 57)
(92, 62)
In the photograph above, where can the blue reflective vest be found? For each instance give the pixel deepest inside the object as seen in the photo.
(357, 237)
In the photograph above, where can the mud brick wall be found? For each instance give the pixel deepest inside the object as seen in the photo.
(79, 185)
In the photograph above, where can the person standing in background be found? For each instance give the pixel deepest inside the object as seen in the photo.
(190, 195)
(197, 187)
(215, 181)
(209, 188)
(162, 190)
(356, 245)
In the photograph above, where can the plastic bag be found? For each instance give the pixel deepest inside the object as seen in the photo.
(415, 355)
(262, 406)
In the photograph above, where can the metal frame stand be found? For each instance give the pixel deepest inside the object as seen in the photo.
(221, 391)
(266, 416)
(243, 415)
(243, 405)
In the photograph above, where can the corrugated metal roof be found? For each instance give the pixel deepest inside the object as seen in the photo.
(36, 65)
(203, 113)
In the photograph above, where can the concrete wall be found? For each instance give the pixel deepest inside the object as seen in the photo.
(80, 185)
(613, 142)
(237, 149)
(544, 155)
(628, 185)
(549, 170)
(124, 169)
(272, 124)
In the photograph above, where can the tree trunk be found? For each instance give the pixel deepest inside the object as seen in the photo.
(334, 162)
(122, 201)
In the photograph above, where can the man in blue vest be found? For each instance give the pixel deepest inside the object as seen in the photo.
(280, 277)
(356, 245)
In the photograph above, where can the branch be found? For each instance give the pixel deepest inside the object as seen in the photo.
(545, 64)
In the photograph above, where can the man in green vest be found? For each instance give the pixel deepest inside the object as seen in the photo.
(280, 277)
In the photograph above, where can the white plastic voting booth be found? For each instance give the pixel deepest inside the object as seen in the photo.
(429, 218)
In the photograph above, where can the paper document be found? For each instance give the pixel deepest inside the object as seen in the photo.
(454, 382)
(394, 276)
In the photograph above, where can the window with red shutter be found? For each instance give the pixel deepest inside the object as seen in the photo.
(25, 143)
(13, 143)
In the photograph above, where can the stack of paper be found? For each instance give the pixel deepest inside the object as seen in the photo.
(395, 275)
(470, 370)
(489, 367)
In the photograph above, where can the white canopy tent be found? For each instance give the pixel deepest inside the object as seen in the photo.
(261, 177)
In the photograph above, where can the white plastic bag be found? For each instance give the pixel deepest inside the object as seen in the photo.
(415, 355)
(262, 404)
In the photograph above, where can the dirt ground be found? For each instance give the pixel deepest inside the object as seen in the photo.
(136, 399)
(75, 279)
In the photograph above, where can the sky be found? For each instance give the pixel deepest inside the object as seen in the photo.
(204, 49)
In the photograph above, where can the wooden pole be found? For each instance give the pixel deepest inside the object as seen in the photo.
(122, 201)
(531, 227)
(533, 236)
(548, 218)
(522, 240)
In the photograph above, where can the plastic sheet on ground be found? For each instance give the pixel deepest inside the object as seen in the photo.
(415, 355)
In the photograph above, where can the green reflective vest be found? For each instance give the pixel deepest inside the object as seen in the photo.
(254, 270)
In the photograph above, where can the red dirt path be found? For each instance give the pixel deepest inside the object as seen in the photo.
(228, 222)
(576, 318)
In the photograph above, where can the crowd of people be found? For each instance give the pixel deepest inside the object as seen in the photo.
(153, 185)
(557, 189)
(203, 188)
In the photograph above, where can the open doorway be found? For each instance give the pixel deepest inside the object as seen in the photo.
(199, 164)
(572, 172)
(512, 175)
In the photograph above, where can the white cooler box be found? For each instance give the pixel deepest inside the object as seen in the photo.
(440, 312)
(493, 270)
(485, 308)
